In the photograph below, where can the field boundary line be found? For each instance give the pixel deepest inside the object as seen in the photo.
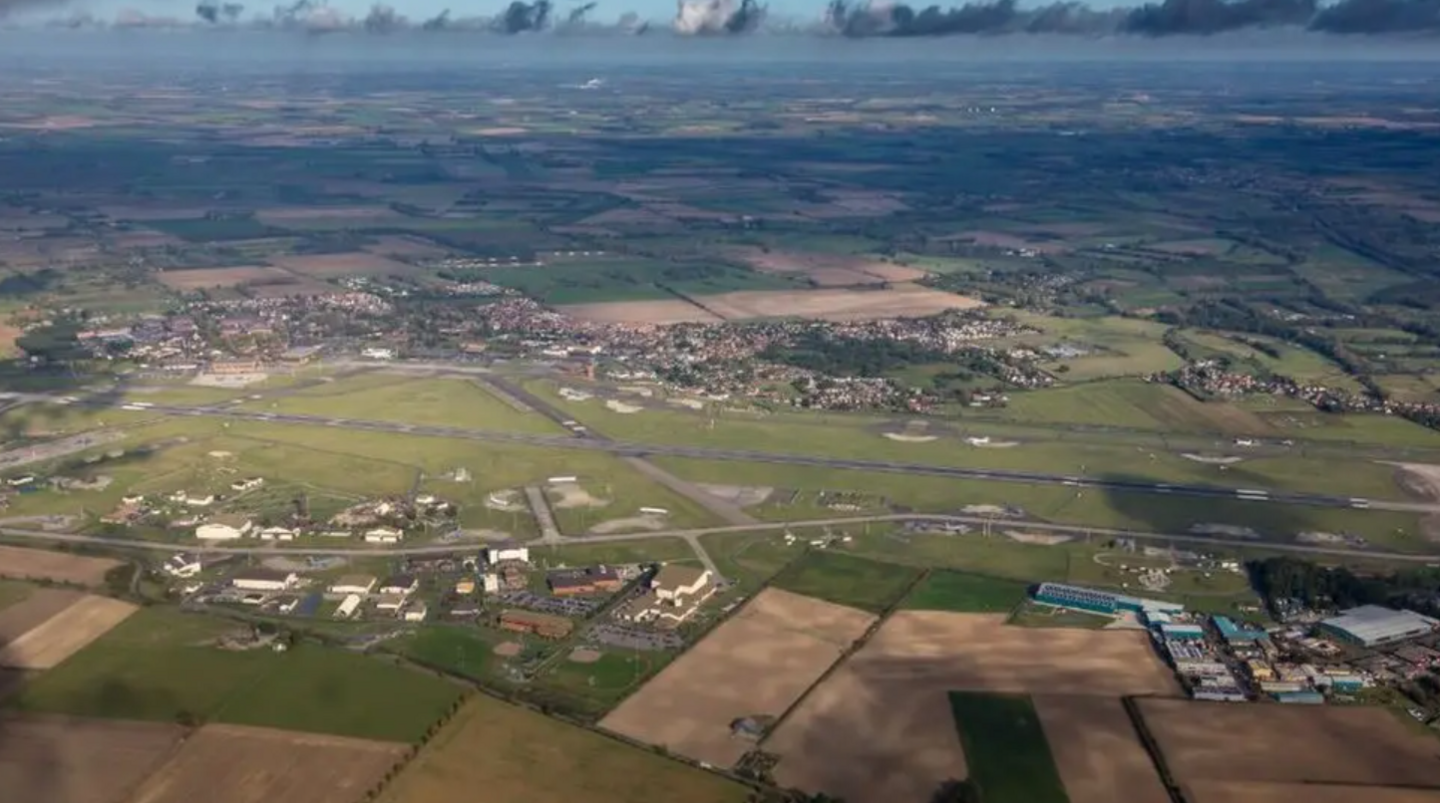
(1152, 748)
(881, 618)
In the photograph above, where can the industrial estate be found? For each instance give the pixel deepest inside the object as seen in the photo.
(398, 427)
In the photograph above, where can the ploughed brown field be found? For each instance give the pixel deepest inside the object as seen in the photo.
(64, 634)
(1097, 752)
(222, 277)
(1222, 792)
(758, 662)
(235, 764)
(56, 759)
(33, 611)
(834, 304)
(40, 564)
(1206, 743)
(880, 730)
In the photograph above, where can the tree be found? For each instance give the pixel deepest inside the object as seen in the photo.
(953, 791)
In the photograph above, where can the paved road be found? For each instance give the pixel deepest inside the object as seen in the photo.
(695, 533)
(1256, 496)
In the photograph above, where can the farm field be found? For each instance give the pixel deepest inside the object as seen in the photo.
(159, 665)
(1112, 346)
(515, 754)
(40, 564)
(825, 304)
(57, 759)
(1130, 404)
(232, 764)
(451, 402)
(894, 692)
(779, 644)
(36, 608)
(1229, 792)
(960, 592)
(1006, 748)
(62, 635)
(846, 580)
(1213, 742)
(1096, 750)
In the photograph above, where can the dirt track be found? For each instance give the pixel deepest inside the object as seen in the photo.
(879, 730)
(54, 759)
(234, 764)
(65, 633)
(40, 564)
(1212, 742)
(758, 662)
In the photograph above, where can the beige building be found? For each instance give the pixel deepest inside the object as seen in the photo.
(676, 593)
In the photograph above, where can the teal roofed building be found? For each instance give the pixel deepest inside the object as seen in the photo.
(1093, 600)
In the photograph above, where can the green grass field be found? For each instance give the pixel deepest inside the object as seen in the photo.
(1005, 749)
(515, 754)
(451, 402)
(156, 666)
(463, 649)
(14, 591)
(1031, 615)
(633, 279)
(1117, 346)
(1129, 404)
(964, 593)
(846, 580)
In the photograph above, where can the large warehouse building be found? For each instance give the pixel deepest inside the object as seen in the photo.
(1374, 626)
(1089, 599)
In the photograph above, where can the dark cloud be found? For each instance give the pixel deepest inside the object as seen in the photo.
(1379, 17)
(520, 17)
(1207, 17)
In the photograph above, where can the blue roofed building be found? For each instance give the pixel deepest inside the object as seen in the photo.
(1182, 632)
(1235, 634)
(1093, 600)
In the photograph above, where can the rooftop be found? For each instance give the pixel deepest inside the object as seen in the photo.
(1376, 623)
(262, 574)
(673, 576)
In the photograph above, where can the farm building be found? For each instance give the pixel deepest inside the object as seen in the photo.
(263, 580)
(224, 528)
(391, 603)
(507, 551)
(354, 584)
(1094, 601)
(596, 579)
(541, 624)
(1373, 626)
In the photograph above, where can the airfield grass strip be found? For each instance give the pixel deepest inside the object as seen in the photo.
(1006, 748)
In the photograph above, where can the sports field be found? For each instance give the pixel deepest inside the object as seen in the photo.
(1006, 748)
(159, 665)
(507, 753)
(757, 663)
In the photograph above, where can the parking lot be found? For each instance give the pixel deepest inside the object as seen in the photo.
(560, 606)
(634, 638)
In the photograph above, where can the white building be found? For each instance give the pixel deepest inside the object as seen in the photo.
(378, 353)
(264, 580)
(504, 552)
(675, 583)
(354, 584)
(224, 529)
(491, 583)
(205, 500)
(390, 602)
(182, 565)
(348, 607)
(276, 534)
(383, 535)
(416, 612)
(401, 584)
(247, 484)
